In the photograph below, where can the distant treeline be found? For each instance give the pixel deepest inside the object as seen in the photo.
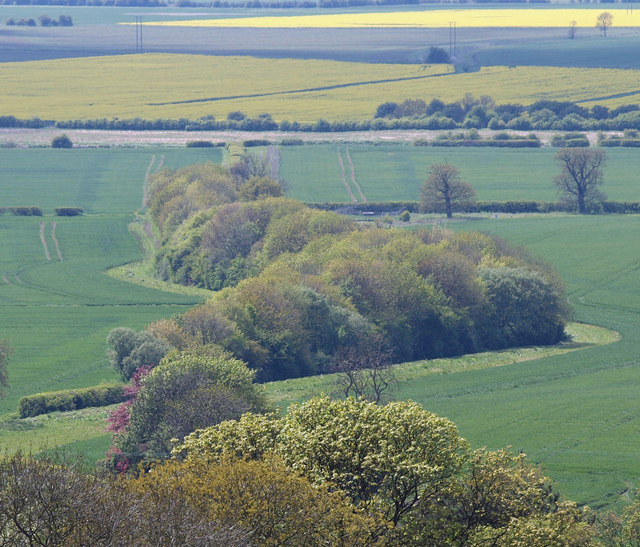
(467, 113)
(253, 3)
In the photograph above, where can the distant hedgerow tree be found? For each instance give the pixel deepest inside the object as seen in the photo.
(61, 141)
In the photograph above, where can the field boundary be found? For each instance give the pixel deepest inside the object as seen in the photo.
(307, 90)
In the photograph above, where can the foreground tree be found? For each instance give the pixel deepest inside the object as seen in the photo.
(444, 191)
(580, 176)
(604, 21)
(385, 458)
(187, 391)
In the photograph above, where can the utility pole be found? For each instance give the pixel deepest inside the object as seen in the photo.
(138, 34)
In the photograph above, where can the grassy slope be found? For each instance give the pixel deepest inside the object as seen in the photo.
(57, 314)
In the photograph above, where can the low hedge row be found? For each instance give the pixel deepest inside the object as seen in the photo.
(68, 211)
(30, 211)
(489, 143)
(512, 207)
(613, 142)
(70, 399)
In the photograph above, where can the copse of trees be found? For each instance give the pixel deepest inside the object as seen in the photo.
(303, 284)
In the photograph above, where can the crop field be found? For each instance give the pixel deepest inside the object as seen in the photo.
(56, 306)
(464, 18)
(396, 172)
(174, 86)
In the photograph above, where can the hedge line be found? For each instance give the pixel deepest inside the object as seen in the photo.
(68, 211)
(523, 206)
(29, 211)
(499, 143)
(70, 399)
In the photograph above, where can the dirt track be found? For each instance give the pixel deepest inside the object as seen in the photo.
(98, 138)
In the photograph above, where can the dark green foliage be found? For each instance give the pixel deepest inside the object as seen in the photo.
(291, 142)
(199, 144)
(187, 391)
(61, 141)
(437, 55)
(70, 399)
(526, 307)
(569, 140)
(31, 211)
(130, 350)
(256, 142)
(68, 211)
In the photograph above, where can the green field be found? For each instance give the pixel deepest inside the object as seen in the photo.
(56, 313)
(396, 172)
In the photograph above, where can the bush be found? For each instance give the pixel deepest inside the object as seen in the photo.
(31, 211)
(257, 142)
(61, 141)
(68, 211)
(199, 144)
(291, 142)
(70, 399)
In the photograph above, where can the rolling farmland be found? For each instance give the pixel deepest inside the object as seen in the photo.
(155, 86)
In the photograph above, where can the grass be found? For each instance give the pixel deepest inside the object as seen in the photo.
(192, 86)
(297, 390)
(56, 314)
(388, 172)
(464, 18)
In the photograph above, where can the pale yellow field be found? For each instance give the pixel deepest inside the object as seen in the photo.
(154, 86)
(464, 18)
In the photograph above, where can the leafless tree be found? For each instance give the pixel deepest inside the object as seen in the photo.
(604, 21)
(580, 176)
(365, 370)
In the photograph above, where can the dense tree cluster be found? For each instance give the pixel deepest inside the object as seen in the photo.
(303, 284)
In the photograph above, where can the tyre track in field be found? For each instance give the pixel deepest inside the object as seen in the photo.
(353, 175)
(344, 178)
(307, 90)
(55, 240)
(146, 181)
(44, 242)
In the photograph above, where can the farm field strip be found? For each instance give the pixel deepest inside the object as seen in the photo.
(464, 18)
(193, 86)
(394, 172)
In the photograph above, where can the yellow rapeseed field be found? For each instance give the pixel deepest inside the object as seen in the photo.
(154, 86)
(464, 18)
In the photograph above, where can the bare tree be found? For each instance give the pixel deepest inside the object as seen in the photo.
(604, 21)
(580, 176)
(365, 370)
(573, 28)
(444, 191)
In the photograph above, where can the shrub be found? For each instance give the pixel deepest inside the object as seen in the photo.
(291, 142)
(199, 144)
(257, 142)
(30, 211)
(70, 399)
(61, 141)
(68, 211)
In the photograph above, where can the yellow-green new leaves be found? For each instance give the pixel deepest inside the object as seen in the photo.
(388, 457)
